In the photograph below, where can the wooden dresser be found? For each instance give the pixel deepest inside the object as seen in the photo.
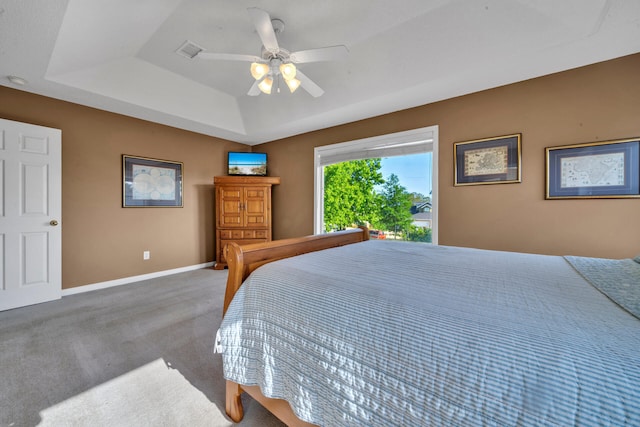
(243, 211)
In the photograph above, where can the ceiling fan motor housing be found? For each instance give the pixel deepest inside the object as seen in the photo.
(283, 55)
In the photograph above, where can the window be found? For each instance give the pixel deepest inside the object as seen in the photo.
(415, 141)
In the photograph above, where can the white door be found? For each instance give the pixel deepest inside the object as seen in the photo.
(30, 214)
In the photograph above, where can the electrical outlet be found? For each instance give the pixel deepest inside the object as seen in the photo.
(146, 255)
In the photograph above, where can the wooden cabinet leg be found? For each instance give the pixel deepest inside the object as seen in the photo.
(233, 404)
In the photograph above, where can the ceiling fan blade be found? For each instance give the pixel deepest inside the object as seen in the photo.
(309, 85)
(264, 27)
(330, 53)
(255, 90)
(228, 57)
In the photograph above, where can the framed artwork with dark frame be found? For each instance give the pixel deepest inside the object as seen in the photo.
(151, 182)
(608, 169)
(488, 161)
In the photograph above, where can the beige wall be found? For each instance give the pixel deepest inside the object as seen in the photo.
(102, 241)
(595, 103)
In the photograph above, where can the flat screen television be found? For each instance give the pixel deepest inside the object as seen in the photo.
(247, 163)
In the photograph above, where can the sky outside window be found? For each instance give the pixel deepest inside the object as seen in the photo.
(413, 171)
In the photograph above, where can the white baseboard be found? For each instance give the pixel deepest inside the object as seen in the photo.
(132, 279)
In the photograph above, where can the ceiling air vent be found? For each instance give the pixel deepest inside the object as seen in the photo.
(189, 49)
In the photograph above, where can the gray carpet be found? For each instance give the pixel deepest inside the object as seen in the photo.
(133, 355)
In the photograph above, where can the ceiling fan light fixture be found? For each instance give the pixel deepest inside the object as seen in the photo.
(288, 71)
(259, 70)
(265, 85)
(293, 84)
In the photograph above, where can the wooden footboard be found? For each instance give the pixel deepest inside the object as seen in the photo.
(242, 260)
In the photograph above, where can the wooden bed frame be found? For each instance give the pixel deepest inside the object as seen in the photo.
(242, 260)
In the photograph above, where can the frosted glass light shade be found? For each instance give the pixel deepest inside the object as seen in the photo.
(288, 71)
(293, 84)
(259, 70)
(265, 85)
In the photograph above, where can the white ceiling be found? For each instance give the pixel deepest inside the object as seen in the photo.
(120, 55)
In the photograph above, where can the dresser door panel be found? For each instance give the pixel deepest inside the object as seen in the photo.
(232, 213)
(255, 204)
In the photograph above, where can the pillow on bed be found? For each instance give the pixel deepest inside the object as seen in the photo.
(637, 259)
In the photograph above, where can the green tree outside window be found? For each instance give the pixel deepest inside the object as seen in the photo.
(349, 196)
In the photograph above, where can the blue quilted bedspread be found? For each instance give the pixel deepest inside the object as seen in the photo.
(386, 333)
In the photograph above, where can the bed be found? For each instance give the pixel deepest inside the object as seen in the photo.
(343, 330)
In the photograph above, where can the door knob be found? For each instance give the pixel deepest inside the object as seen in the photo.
(53, 222)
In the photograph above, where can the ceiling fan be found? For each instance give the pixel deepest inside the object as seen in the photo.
(276, 62)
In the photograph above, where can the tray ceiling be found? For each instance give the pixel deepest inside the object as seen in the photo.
(120, 55)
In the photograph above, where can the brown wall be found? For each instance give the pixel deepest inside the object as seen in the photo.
(594, 103)
(102, 241)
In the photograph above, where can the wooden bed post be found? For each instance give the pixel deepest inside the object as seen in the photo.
(235, 262)
(233, 404)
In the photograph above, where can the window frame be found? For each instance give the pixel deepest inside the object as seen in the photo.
(415, 141)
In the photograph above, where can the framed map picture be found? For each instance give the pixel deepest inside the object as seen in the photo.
(151, 182)
(487, 161)
(595, 170)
